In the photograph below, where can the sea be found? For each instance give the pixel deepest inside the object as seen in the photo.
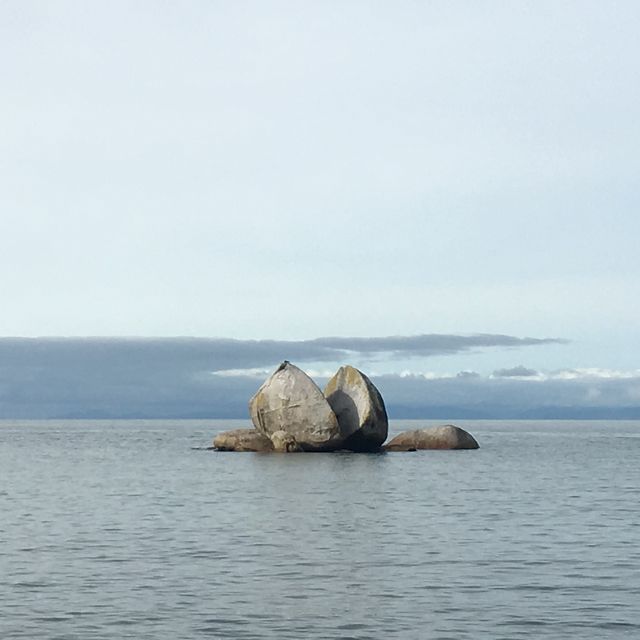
(135, 529)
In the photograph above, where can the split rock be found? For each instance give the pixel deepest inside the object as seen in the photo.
(359, 409)
(291, 401)
(242, 440)
(447, 436)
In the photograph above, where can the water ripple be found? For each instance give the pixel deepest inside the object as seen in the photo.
(137, 530)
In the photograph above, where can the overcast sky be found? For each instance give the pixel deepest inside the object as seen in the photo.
(291, 170)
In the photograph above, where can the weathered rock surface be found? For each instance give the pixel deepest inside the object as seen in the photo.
(359, 409)
(284, 442)
(242, 440)
(291, 401)
(447, 436)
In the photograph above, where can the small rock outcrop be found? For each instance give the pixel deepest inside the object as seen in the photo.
(359, 409)
(242, 440)
(447, 436)
(291, 401)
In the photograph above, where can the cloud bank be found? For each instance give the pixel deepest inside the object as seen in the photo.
(214, 378)
(217, 354)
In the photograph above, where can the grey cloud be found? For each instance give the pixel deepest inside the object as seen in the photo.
(217, 354)
(515, 372)
(173, 378)
(430, 344)
(115, 377)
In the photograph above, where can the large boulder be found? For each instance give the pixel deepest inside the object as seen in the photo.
(242, 440)
(447, 436)
(359, 409)
(290, 401)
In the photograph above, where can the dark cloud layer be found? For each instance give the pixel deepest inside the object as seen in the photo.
(515, 372)
(429, 344)
(174, 378)
(216, 354)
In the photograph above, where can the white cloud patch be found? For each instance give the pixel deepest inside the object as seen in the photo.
(593, 372)
(242, 373)
(516, 373)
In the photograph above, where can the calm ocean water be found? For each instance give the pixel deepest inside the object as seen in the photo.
(124, 529)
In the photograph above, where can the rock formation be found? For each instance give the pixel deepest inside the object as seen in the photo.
(445, 437)
(359, 409)
(290, 413)
(290, 401)
(242, 440)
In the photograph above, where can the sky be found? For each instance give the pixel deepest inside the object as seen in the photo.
(291, 171)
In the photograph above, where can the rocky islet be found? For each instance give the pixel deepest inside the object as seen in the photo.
(290, 413)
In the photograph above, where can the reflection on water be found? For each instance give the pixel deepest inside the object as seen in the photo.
(124, 530)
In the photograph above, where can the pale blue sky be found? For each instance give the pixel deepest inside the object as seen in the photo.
(300, 169)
